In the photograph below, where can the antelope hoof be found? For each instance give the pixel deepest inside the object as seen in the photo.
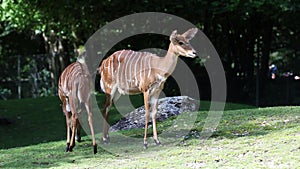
(68, 147)
(105, 140)
(78, 139)
(157, 143)
(95, 149)
(145, 146)
(71, 148)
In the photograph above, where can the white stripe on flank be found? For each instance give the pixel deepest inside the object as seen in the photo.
(65, 87)
(136, 63)
(145, 63)
(119, 64)
(130, 68)
(141, 67)
(105, 64)
(149, 65)
(120, 74)
(108, 67)
(112, 68)
(102, 85)
(126, 70)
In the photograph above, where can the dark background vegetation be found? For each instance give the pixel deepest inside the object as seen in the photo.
(41, 37)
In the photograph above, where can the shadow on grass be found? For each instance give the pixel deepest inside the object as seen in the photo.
(49, 155)
(34, 121)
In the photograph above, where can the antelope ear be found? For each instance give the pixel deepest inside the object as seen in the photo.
(173, 35)
(190, 33)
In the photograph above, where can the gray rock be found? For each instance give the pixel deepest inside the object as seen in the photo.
(167, 107)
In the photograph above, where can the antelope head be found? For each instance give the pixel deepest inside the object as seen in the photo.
(182, 44)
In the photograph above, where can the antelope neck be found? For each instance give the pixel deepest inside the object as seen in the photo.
(168, 62)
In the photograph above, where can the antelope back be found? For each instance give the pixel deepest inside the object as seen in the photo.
(127, 69)
(74, 82)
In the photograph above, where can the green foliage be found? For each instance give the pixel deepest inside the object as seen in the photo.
(241, 31)
(18, 15)
(4, 93)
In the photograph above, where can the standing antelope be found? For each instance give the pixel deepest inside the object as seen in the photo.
(130, 72)
(74, 91)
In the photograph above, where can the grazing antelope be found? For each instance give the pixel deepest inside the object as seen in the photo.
(130, 72)
(74, 91)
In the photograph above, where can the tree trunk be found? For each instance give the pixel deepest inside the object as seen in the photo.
(53, 45)
(265, 55)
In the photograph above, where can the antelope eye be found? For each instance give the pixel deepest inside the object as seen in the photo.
(180, 43)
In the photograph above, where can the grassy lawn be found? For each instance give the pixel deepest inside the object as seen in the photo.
(246, 137)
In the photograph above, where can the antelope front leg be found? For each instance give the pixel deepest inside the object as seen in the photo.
(154, 100)
(147, 114)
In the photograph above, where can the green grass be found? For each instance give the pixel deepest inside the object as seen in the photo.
(246, 137)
